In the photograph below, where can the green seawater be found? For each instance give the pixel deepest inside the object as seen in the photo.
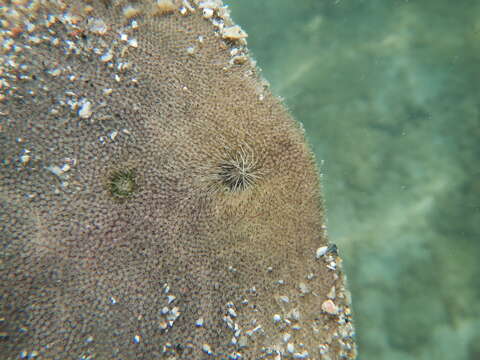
(389, 94)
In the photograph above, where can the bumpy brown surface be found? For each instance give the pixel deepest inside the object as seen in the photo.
(157, 201)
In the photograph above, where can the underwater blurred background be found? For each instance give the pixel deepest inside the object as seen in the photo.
(388, 92)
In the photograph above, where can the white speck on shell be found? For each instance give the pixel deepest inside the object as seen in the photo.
(232, 312)
(304, 289)
(85, 110)
(303, 355)
(207, 13)
(55, 170)
(113, 134)
(332, 265)
(233, 33)
(207, 349)
(332, 293)
(133, 43)
(98, 27)
(25, 158)
(321, 251)
(129, 11)
(329, 307)
(294, 314)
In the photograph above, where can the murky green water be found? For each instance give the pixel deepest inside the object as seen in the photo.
(389, 94)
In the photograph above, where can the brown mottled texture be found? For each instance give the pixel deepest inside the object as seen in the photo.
(158, 202)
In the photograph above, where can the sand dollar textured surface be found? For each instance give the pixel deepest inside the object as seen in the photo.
(158, 202)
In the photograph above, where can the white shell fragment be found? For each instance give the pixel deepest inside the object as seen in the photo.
(207, 349)
(321, 251)
(233, 33)
(329, 307)
(85, 110)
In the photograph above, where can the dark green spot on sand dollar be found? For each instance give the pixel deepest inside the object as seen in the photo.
(122, 183)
